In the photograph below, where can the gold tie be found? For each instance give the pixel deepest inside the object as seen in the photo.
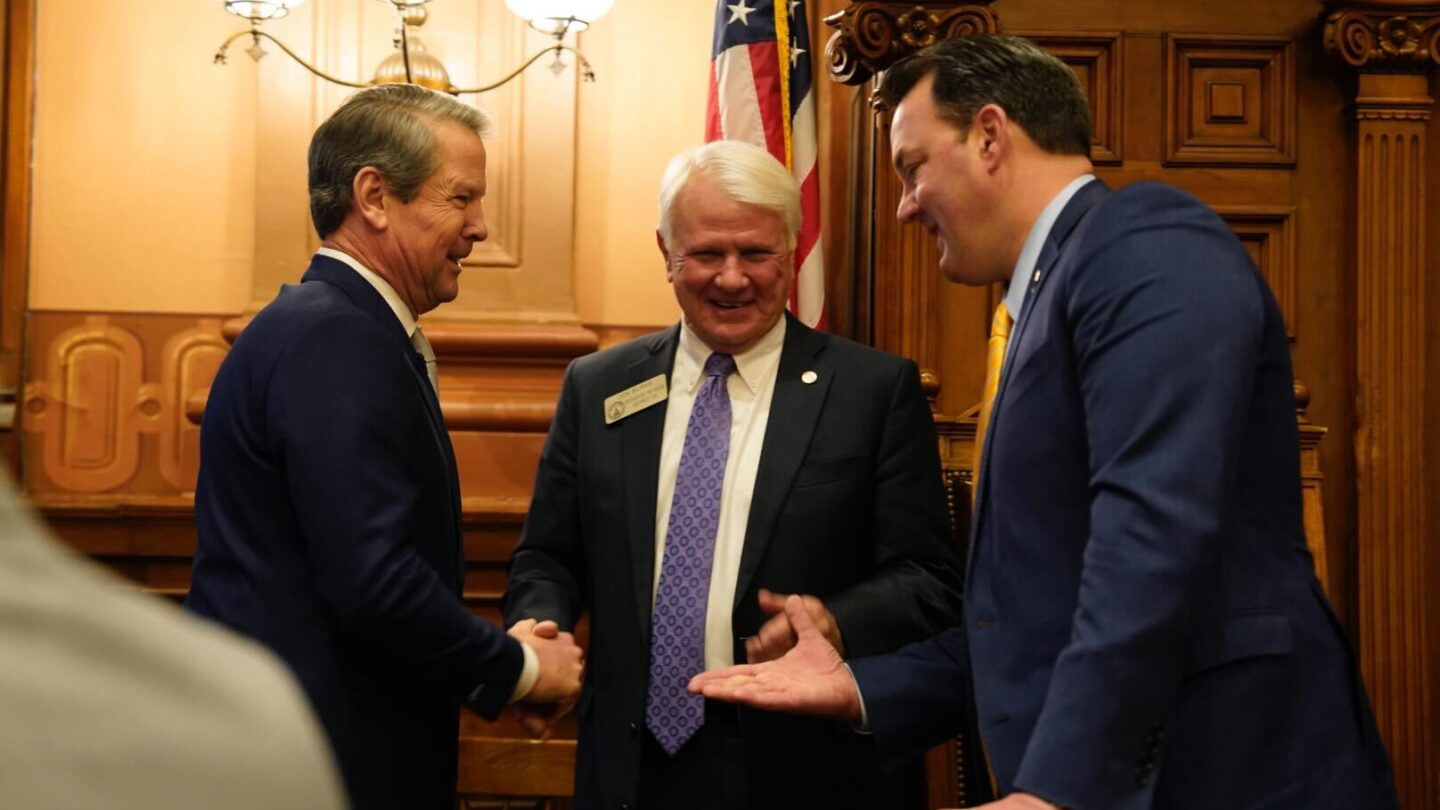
(999, 339)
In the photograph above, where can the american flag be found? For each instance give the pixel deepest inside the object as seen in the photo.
(761, 91)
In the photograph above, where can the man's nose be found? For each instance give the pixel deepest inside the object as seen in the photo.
(908, 209)
(732, 275)
(475, 229)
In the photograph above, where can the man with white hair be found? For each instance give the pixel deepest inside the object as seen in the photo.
(693, 477)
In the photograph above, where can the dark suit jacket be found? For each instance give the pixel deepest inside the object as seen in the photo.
(328, 511)
(848, 505)
(1142, 618)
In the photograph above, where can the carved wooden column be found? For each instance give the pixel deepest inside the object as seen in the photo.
(1393, 45)
(897, 266)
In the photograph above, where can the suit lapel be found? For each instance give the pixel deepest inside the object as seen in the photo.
(640, 437)
(367, 298)
(1086, 199)
(794, 409)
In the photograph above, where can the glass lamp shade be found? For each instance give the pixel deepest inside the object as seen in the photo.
(256, 10)
(551, 16)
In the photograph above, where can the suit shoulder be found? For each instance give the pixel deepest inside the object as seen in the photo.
(618, 358)
(869, 358)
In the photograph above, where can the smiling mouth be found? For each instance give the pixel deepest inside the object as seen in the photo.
(732, 305)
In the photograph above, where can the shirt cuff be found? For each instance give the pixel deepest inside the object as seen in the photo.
(863, 727)
(529, 674)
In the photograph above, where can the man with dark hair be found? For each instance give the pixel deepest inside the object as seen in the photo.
(1143, 627)
(328, 505)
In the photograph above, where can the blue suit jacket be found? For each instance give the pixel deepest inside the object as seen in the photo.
(328, 511)
(1143, 626)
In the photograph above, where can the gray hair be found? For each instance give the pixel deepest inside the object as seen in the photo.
(1037, 90)
(743, 172)
(389, 127)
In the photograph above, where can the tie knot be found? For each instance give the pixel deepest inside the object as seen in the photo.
(1001, 323)
(719, 365)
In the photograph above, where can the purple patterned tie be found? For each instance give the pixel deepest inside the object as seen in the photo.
(677, 625)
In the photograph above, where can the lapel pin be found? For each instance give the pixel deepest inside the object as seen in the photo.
(809, 377)
(1036, 278)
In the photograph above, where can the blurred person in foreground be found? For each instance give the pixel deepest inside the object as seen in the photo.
(328, 504)
(1143, 627)
(692, 475)
(111, 698)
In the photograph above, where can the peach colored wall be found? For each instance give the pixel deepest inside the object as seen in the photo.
(144, 193)
(652, 59)
(146, 156)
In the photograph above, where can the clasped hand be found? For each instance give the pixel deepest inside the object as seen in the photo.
(562, 665)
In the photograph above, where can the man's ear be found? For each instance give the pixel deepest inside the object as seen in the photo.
(368, 190)
(665, 251)
(992, 127)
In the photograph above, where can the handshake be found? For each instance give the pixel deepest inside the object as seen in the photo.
(562, 662)
(557, 687)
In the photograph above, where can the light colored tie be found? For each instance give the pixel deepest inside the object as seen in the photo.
(432, 369)
(677, 628)
(999, 339)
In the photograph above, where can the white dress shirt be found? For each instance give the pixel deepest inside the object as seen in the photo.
(751, 388)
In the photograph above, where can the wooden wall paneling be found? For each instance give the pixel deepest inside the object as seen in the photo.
(17, 33)
(1097, 57)
(1268, 234)
(1231, 100)
(1393, 46)
(188, 364)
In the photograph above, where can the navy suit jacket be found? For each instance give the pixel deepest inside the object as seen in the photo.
(848, 505)
(1143, 626)
(328, 511)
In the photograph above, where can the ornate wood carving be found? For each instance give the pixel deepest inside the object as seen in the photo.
(85, 412)
(189, 361)
(1394, 44)
(1395, 36)
(1230, 100)
(1268, 233)
(871, 36)
(1097, 59)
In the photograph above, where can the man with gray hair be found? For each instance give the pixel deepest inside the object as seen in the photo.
(328, 504)
(694, 476)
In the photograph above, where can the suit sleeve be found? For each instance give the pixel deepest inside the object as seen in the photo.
(1166, 323)
(918, 696)
(347, 422)
(547, 568)
(914, 590)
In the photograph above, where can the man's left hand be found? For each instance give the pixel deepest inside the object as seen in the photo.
(777, 636)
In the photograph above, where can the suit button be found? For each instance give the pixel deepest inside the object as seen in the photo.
(634, 730)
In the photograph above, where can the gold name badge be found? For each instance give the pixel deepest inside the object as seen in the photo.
(635, 399)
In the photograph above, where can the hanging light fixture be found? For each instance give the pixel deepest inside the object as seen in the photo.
(411, 63)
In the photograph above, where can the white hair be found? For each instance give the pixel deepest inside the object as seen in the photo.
(743, 172)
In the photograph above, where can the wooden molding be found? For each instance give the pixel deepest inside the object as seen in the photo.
(1230, 100)
(17, 33)
(1391, 36)
(871, 36)
(1393, 45)
(1097, 59)
(1268, 233)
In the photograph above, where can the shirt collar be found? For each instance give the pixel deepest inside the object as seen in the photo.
(1035, 242)
(407, 320)
(753, 365)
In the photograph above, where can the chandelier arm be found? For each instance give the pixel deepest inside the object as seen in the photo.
(405, 50)
(552, 49)
(220, 56)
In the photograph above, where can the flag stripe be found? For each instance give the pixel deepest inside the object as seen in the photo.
(761, 91)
